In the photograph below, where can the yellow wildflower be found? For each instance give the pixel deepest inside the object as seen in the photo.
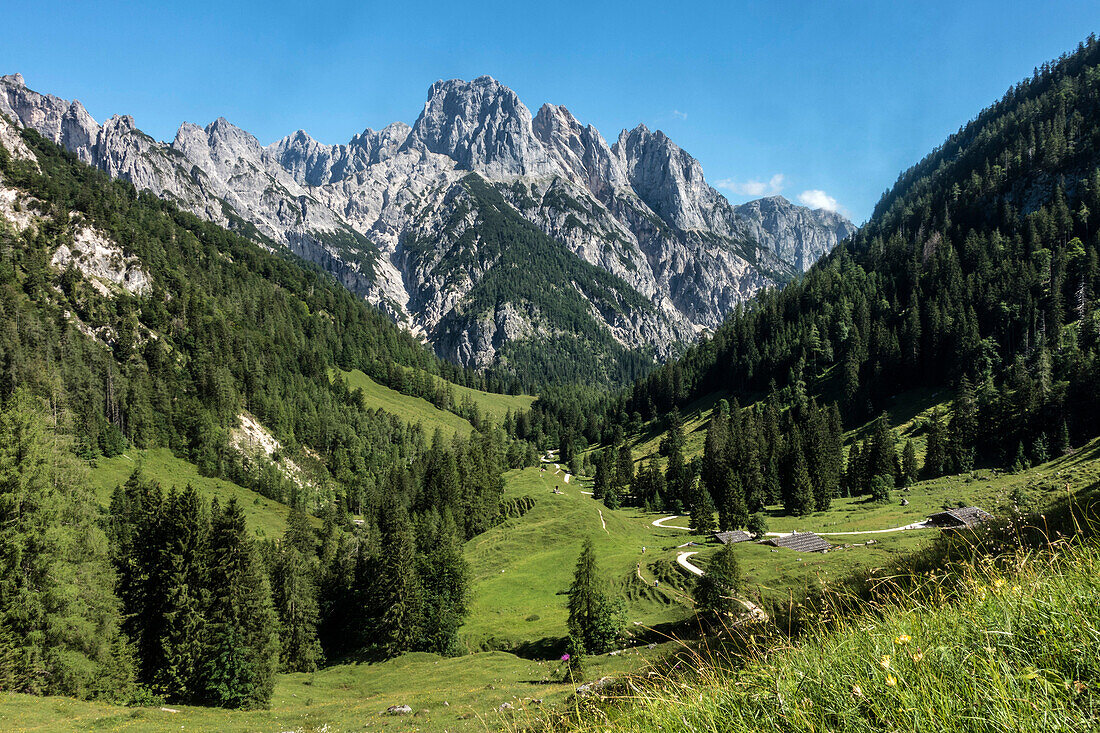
(891, 681)
(885, 661)
(1015, 589)
(902, 640)
(918, 656)
(998, 582)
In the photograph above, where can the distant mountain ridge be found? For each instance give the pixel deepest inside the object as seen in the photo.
(392, 215)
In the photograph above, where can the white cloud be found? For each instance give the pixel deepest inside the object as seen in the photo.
(770, 187)
(679, 115)
(818, 199)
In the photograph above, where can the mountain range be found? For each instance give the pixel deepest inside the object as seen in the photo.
(483, 229)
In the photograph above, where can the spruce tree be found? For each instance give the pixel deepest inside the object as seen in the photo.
(702, 509)
(595, 621)
(399, 593)
(294, 595)
(242, 643)
(936, 449)
(908, 464)
(624, 470)
(716, 456)
(444, 577)
(715, 588)
(799, 500)
(733, 512)
(182, 586)
(964, 426)
(883, 460)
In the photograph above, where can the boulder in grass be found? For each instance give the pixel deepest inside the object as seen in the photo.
(597, 687)
(398, 710)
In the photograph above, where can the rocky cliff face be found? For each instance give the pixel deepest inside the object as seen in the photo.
(396, 217)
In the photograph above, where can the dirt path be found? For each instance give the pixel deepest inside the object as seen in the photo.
(604, 523)
(683, 561)
(915, 525)
(661, 523)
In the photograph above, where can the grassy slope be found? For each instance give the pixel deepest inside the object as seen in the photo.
(1015, 649)
(409, 409)
(267, 518)
(496, 405)
(350, 697)
(521, 568)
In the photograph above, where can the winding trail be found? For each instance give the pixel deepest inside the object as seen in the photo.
(683, 561)
(661, 523)
(915, 525)
(602, 521)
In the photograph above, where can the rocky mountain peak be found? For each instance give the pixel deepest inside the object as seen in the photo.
(670, 181)
(580, 151)
(13, 79)
(482, 125)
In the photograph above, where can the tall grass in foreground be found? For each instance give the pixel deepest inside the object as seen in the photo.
(1020, 651)
(1002, 641)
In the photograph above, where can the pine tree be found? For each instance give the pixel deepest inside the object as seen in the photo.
(595, 622)
(242, 644)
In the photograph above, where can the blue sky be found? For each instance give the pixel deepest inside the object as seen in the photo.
(824, 102)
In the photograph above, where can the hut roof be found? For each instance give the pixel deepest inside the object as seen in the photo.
(730, 538)
(801, 542)
(968, 516)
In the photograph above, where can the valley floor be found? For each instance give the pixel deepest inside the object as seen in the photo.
(521, 570)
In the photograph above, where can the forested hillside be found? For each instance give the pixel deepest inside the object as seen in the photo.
(127, 324)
